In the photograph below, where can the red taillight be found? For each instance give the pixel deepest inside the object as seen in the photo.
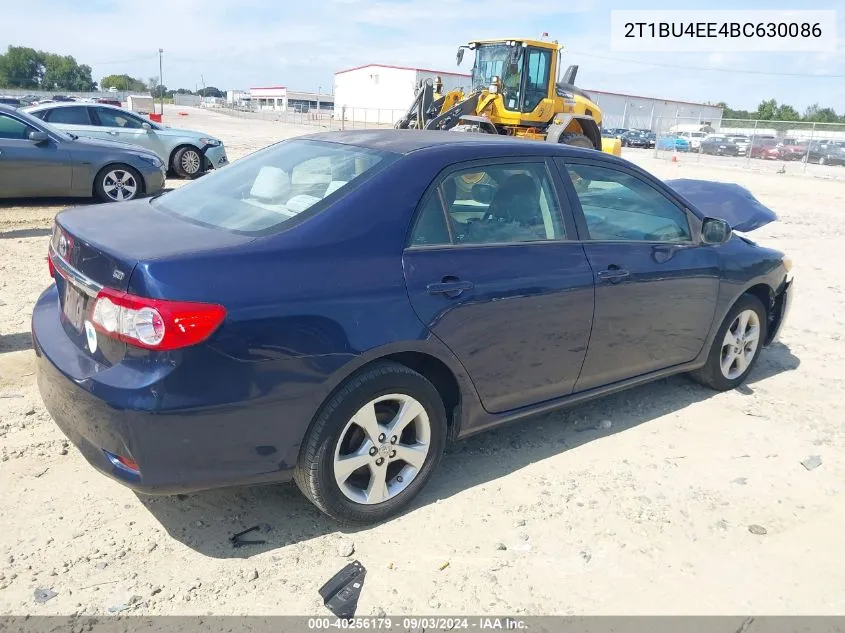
(52, 267)
(157, 324)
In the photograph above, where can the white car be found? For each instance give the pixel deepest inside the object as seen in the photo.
(187, 153)
(694, 139)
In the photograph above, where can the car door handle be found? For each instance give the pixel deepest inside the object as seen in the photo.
(613, 275)
(449, 286)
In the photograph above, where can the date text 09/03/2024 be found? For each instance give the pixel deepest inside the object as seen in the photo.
(418, 623)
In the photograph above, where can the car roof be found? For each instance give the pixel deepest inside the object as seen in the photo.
(408, 141)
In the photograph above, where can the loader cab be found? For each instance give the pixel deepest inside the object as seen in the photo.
(520, 71)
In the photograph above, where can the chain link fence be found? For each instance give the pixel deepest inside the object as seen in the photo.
(816, 149)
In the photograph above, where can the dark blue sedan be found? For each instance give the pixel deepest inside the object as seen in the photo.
(335, 308)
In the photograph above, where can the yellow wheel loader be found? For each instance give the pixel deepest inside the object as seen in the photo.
(513, 93)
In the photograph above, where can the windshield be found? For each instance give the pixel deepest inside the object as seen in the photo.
(491, 60)
(259, 193)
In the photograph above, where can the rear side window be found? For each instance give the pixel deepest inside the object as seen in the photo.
(262, 192)
(76, 115)
(116, 118)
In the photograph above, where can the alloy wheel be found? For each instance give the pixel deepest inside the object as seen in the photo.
(382, 449)
(740, 344)
(190, 162)
(120, 185)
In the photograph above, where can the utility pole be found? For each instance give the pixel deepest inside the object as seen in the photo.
(318, 101)
(161, 80)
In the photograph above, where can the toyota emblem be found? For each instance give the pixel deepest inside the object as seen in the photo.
(62, 246)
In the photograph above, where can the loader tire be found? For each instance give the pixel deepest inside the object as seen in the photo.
(577, 140)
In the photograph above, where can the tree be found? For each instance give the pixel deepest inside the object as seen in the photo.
(767, 109)
(786, 113)
(211, 91)
(816, 114)
(122, 82)
(21, 67)
(158, 91)
(63, 73)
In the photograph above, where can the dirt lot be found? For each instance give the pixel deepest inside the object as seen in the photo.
(555, 515)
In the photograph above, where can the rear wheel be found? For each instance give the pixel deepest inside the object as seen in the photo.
(188, 162)
(736, 347)
(576, 139)
(118, 183)
(373, 446)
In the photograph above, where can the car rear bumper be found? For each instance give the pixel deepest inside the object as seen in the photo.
(118, 410)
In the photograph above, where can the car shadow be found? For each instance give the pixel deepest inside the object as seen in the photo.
(15, 342)
(21, 233)
(205, 521)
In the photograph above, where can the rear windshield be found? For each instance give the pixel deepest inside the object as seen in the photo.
(260, 193)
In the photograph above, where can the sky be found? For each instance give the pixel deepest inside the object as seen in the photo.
(246, 43)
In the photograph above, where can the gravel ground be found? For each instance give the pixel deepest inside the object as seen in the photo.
(666, 499)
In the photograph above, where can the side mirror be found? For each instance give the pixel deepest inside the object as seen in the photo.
(37, 136)
(146, 126)
(460, 55)
(715, 231)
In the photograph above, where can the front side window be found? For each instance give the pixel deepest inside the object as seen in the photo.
(618, 206)
(116, 118)
(76, 115)
(11, 128)
(495, 204)
(262, 192)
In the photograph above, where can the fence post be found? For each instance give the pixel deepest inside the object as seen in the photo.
(751, 144)
(807, 153)
(343, 117)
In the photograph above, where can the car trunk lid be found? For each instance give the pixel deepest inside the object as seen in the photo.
(99, 246)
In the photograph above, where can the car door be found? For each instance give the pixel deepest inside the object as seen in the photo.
(31, 168)
(656, 283)
(122, 126)
(493, 271)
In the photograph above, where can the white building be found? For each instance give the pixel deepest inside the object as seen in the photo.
(382, 94)
(659, 115)
(281, 99)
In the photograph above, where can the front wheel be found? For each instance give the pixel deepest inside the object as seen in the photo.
(373, 446)
(118, 183)
(736, 347)
(577, 140)
(188, 162)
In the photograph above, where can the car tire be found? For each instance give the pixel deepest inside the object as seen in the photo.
(822, 160)
(188, 162)
(338, 434)
(576, 140)
(725, 368)
(118, 183)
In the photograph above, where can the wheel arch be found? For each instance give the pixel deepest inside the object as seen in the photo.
(444, 371)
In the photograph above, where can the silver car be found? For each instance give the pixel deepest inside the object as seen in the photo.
(188, 154)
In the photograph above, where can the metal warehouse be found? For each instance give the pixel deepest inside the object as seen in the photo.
(384, 93)
(633, 112)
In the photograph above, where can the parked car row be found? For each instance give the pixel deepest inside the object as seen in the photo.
(84, 149)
